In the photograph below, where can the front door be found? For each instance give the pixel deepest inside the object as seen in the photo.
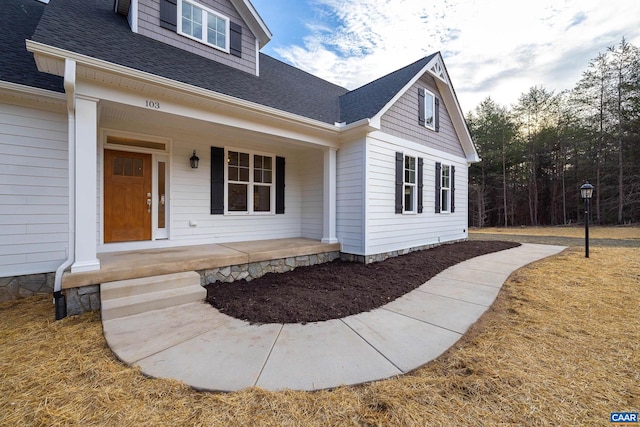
(127, 196)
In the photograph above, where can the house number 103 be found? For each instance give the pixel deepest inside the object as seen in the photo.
(152, 104)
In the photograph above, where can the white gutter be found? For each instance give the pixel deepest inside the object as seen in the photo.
(70, 89)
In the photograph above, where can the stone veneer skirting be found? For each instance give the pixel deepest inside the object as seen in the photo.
(369, 259)
(87, 298)
(16, 287)
(253, 270)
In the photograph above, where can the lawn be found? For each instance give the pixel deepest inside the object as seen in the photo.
(561, 346)
(595, 232)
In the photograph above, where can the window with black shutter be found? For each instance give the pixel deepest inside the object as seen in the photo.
(409, 184)
(217, 180)
(438, 184)
(169, 14)
(235, 39)
(280, 185)
(445, 188)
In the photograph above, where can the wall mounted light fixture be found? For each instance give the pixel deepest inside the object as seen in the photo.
(194, 160)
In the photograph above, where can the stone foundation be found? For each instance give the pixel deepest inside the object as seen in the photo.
(83, 299)
(16, 287)
(254, 270)
(369, 259)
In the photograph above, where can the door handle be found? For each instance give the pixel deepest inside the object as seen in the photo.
(148, 205)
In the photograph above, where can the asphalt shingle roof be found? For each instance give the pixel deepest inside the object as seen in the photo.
(368, 100)
(92, 28)
(18, 21)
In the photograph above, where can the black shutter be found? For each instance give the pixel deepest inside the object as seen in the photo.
(235, 45)
(169, 14)
(438, 186)
(217, 181)
(279, 185)
(420, 183)
(453, 189)
(437, 114)
(399, 181)
(421, 120)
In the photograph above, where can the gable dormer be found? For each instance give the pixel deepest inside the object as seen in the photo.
(227, 31)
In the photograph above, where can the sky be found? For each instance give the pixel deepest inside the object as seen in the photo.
(496, 48)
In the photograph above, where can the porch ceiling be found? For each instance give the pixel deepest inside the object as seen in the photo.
(113, 115)
(153, 262)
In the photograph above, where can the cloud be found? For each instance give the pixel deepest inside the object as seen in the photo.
(497, 48)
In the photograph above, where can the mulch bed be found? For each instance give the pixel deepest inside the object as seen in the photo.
(338, 289)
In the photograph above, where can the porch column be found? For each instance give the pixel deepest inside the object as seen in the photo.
(86, 159)
(329, 195)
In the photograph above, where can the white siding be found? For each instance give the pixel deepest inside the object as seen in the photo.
(33, 190)
(350, 194)
(388, 231)
(189, 198)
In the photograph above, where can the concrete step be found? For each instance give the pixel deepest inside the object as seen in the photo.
(143, 285)
(135, 296)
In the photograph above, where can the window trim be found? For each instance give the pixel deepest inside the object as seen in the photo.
(428, 94)
(205, 17)
(250, 184)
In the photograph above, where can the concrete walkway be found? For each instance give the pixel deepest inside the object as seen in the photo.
(207, 350)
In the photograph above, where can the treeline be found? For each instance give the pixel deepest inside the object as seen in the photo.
(537, 153)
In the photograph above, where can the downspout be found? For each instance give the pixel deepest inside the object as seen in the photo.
(70, 90)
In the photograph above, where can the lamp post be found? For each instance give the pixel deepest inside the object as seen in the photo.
(586, 191)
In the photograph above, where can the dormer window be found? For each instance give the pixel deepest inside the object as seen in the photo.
(203, 24)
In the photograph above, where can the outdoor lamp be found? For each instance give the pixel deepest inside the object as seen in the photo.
(194, 160)
(586, 191)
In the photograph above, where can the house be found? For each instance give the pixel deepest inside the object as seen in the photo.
(103, 106)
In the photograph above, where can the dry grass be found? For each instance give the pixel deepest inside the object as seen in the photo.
(559, 347)
(595, 232)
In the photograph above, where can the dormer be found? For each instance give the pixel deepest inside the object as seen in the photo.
(227, 31)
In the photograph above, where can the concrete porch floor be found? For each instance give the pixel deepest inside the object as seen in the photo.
(153, 262)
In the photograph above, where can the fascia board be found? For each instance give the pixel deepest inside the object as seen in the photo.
(253, 20)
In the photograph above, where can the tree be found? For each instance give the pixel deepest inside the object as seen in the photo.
(493, 130)
(534, 110)
(624, 62)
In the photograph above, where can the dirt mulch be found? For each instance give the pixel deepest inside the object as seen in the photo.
(339, 289)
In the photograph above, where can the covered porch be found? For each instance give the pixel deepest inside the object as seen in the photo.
(124, 265)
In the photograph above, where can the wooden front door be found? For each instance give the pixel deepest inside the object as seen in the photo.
(127, 196)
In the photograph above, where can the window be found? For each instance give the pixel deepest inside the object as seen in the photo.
(409, 205)
(429, 110)
(445, 189)
(204, 25)
(250, 182)
(409, 184)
